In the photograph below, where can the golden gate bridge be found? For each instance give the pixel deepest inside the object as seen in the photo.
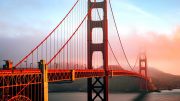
(77, 48)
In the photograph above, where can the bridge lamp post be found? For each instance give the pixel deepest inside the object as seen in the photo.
(26, 63)
(55, 65)
(31, 65)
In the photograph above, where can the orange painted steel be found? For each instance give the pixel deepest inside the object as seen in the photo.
(60, 75)
(13, 82)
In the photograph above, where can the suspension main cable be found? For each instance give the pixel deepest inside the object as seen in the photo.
(119, 37)
(110, 44)
(47, 35)
(70, 36)
(136, 61)
(114, 54)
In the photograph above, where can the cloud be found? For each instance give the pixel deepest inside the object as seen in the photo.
(11, 30)
(162, 50)
(134, 8)
(16, 40)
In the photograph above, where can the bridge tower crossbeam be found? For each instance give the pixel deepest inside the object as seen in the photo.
(98, 86)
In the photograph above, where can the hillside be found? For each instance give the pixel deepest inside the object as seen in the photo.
(164, 80)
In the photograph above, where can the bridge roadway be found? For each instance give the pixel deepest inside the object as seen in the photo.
(23, 77)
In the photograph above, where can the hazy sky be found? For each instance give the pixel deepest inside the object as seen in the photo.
(151, 25)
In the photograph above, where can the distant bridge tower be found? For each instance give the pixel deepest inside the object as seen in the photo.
(98, 86)
(143, 71)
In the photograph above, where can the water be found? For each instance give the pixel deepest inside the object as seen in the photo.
(173, 95)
